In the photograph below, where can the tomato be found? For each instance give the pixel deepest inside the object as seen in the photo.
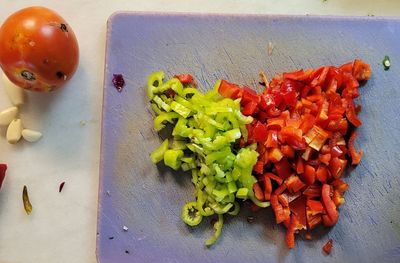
(38, 49)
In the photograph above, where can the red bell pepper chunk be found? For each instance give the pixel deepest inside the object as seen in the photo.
(319, 76)
(283, 168)
(272, 139)
(312, 191)
(313, 220)
(250, 108)
(329, 205)
(3, 169)
(229, 90)
(283, 200)
(275, 123)
(300, 166)
(355, 156)
(299, 75)
(337, 198)
(322, 174)
(328, 246)
(185, 78)
(292, 228)
(249, 95)
(339, 185)
(293, 137)
(275, 155)
(294, 184)
(298, 208)
(280, 214)
(258, 193)
(258, 168)
(348, 67)
(308, 176)
(315, 206)
(266, 101)
(260, 132)
(361, 71)
(337, 166)
(280, 189)
(274, 177)
(287, 151)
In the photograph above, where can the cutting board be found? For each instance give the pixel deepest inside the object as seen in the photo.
(147, 199)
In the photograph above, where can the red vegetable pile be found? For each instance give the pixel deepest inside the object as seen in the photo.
(304, 126)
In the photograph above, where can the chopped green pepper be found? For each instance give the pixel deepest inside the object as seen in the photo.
(217, 231)
(172, 158)
(155, 80)
(190, 215)
(158, 154)
(386, 63)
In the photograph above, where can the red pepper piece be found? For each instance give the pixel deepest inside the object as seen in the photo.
(327, 248)
(329, 205)
(250, 108)
(185, 78)
(258, 193)
(283, 168)
(294, 184)
(290, 233)
(260, 132)
(361, 71)
(308, 176)
(3, 169)
(312, 191)
(274, 177)
(355, 156)
(229, 90)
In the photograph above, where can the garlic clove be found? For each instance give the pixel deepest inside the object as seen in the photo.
(7, 115)
(14, 131)
(15, 93)
(31, 135)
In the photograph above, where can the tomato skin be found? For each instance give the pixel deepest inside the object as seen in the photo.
(38, 49)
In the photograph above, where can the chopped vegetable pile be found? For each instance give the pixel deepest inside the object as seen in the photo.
(206, 129)
(288, 146)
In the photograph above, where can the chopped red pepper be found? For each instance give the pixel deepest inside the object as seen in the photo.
(302, 127)
(185, 78)
(3, 169)
(355, 156)
(327, 248)
(329, 205)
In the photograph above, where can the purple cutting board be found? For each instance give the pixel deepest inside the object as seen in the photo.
(148, 198)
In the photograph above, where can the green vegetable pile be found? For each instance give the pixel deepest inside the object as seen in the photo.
(204, 140)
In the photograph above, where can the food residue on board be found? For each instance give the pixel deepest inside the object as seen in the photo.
(3, 169)
(386, 63)
(327, 248)
(60, 188)
(118, 82)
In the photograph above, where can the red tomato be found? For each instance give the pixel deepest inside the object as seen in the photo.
(38, 49)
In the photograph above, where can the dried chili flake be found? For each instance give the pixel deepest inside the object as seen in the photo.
(118, 82)
(25, 199)
(61, 187)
